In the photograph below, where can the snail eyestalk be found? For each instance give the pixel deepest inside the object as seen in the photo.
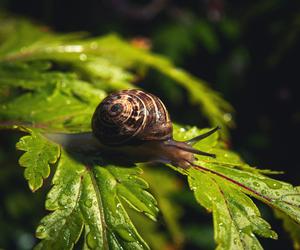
(186, 147)
(203, 136)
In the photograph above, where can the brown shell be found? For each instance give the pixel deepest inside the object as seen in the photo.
(130, 117)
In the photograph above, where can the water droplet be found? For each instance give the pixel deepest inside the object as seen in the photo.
(91, 240)
(272, 184)
(256, 184)
(88, 202)
(124, 233)
(182, 130)
(82, 57)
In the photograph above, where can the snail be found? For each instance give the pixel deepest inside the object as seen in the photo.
(137, 125)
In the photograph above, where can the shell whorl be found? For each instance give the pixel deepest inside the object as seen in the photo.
(130, 117)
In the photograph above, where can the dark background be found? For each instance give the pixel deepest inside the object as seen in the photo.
(247, 50)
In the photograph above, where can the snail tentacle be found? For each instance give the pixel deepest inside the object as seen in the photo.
(186, 147)
(203, 136)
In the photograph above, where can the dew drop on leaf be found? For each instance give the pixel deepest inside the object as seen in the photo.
(91, 241)
(256, 184)
(124, 233)
(272, 184)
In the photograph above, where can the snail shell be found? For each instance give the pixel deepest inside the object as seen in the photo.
(130, 117)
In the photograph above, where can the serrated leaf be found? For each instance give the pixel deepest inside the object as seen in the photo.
(222, 184)
(236, 218)
(90, 198)
(39, 154)
(64, 103)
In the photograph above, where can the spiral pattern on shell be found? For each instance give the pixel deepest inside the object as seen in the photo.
(130, 117)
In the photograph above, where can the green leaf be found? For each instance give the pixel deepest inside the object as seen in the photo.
(55, 101)
(40, 153)
(236, 218)
(222, 184)
(108, 61)
(90, 198)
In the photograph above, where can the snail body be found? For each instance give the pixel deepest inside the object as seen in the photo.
(137, 125)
